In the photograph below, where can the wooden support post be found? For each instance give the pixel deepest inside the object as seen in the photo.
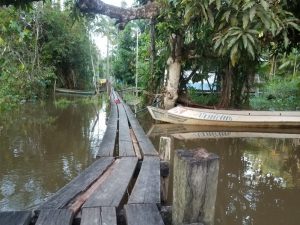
(195, 186)
(165, 146)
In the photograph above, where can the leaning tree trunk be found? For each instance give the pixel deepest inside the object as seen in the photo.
(226, 85)
(174, 69)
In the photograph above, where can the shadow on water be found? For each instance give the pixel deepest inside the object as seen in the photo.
(259, 177)
(44, 146)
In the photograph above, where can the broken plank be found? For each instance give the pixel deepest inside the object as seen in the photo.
(15, 218)
(62, 197)
(143, 214)
(147, 185)
(55, 217)
(113, 189)
(99, 216)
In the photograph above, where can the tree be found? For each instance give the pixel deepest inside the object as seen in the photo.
(124, 63)
(241, 30)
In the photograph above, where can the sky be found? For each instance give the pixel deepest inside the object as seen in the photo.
(100, 40)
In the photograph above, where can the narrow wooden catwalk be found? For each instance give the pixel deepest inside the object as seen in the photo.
(124, 178)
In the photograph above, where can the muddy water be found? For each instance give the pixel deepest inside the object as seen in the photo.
(259, 178)
(44, 146)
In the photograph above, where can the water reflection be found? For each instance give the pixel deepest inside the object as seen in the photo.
(259, 178)
(44, 146)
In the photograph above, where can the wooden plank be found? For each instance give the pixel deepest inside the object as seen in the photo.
(143, 214)
(15, 218)
(144, 142)
(111, 192)
(136, 146)
(107, 145)
(147, 185)
(55, 217)
(125, 142)
(61, 198)
(99, 216)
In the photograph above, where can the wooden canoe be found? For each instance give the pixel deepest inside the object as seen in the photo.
(228, 118)
(73, 91)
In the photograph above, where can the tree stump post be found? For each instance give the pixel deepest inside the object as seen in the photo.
(194, 187)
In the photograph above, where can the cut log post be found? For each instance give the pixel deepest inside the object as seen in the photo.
(195, 186)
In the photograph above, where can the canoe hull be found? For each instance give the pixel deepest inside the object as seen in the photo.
(181, 115)
(76, 92)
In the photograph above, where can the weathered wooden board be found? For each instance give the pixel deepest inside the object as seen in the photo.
(143, 214)
(147, 185)
(107, 145)
(55, 217)
(144, 142)
(99, 216)
(61, 198)
(15, 218)
(111, 192)
(125, 142)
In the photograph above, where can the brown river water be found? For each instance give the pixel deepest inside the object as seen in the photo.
(259, 177)
(44, 146)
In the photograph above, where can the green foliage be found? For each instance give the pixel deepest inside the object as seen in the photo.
(244, 27)
(278, 94)
(22, 75)
(37, 46)
(124, 63)
(202, 98)
(62, 103)
(66, 44)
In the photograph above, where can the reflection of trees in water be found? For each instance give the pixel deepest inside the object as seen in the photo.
(250, 190)
(258, 180)
(42, 148)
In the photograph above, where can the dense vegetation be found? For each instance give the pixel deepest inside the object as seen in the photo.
(39, 45)
(246, 51)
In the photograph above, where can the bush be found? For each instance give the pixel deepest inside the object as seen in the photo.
(202, 98)
(278, 94)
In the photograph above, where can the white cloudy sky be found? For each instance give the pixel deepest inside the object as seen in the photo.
(101, 41)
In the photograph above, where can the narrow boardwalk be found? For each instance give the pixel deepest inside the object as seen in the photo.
(112, 184)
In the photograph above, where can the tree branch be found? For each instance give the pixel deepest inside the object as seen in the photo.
(122, 15)
(16, 2)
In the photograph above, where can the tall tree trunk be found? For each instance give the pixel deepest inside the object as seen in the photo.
(174, 69)
(226, 85)
(153, 87)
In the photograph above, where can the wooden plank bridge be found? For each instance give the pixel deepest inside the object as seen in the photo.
(113, 185)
